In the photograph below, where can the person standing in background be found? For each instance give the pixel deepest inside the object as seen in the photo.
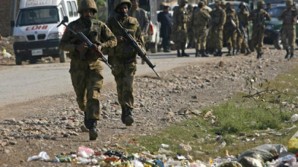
(166, 22)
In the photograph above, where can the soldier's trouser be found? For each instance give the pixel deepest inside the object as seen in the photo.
(87, 84)
(201, 38)
(180, 39)
(289, 37)
(230, 38)
(124, 76)
(218, 38)
(257, 38)
(242, 41)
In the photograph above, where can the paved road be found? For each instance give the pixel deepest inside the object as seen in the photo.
(29, 82)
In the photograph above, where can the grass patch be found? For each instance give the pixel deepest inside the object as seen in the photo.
(243, 122)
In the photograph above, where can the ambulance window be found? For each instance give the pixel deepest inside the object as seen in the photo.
(70, 11)
(74, 8)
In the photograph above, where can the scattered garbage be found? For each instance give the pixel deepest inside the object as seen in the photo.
(267, 155)
(42, 156)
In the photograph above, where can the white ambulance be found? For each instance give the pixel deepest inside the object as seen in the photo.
(35, 30)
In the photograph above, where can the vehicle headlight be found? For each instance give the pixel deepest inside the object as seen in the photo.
(269, 27)
(55, 35)
(19, 38)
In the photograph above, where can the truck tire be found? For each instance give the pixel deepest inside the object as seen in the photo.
(62, 57)
(153, 47)
(18, 60)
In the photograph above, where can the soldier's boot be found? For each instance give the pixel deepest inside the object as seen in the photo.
(219, 53)
(229, 53)
(287, 54)
(259, 55)
(184, 54)
(91, 125)
(178, 53)
(234, 52)
(247, 51)
(292, 55)
(204, 54)
(126, 116)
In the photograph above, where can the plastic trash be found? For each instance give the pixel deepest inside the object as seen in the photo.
(294, 118)
(230, 164)
(137, 163)
(42, 156)
(63, 158)
(257, 156)
(293, 143)
(85, 152)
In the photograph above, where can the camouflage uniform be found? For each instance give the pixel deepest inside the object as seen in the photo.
(258, 17)
(218, 19)
(230, 29)
(86, 71)
(200, 20)
(180, 18)
(190, 31)
(123, 59)
(242, 38)
(289, 18)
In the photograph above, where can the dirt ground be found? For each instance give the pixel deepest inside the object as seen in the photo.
(53, 124)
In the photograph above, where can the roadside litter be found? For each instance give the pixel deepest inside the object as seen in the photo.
(267, 155)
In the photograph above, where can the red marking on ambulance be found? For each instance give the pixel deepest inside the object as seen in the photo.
(37, 27)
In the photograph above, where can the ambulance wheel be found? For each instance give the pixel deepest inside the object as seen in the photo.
(18, 60)
(62, 57)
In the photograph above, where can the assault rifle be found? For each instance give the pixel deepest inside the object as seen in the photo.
(141, 52)
(82, 37)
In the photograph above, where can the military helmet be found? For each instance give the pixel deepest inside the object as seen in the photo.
(220, 2)
(182, 1)
(289, 2)
(87, 4)
(260, 3)
(117, 3)
(201, 3)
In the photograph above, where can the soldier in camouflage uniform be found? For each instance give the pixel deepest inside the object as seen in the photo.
(258, 17)
(230, 29)
(242, 39)
(85, 67)
(123, 57)
(200, 21)
(141, 15)
(289, 18)
(180, 18)
(218, 19)
(190, 31)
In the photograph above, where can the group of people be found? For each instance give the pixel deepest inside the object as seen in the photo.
(208, 30)
(86, 67)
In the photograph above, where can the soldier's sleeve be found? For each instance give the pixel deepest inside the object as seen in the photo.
(222, 20)
(237, 20)
(109, 39)
(139, 37)
(65, 43)
(268, 17)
